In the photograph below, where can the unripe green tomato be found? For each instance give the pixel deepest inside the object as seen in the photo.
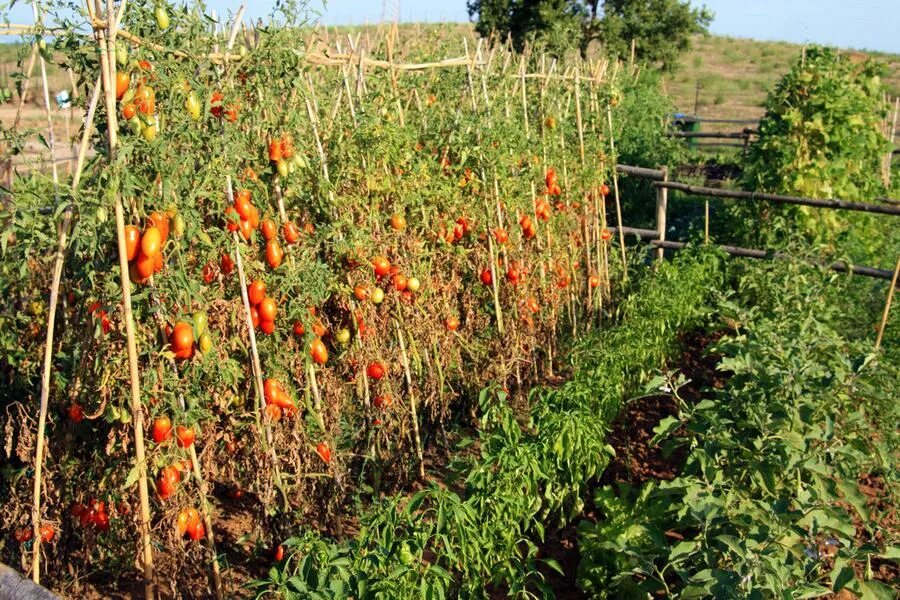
(128, 97)
(135, 124)
(242, 50)
(406, 557)
(121, 53)
(205, 343)
(377, 295)
(342, 335)
(290, 165)
(200, 320)
(101, 215)
(282, 167)
(162, 17)
(178, 226)
(299, 161)
(413, 284)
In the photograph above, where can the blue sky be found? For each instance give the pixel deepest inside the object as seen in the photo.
(862, 24)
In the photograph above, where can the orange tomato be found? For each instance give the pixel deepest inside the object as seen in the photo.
(318, 351)
(267, 309)
(274, 254)
(291, 233)
(151, 242)
(256, 291)
(268, 229)
(132, 241)
(122, 83)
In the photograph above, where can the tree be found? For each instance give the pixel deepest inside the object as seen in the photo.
(661, 29)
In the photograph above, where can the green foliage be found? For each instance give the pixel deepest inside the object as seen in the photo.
(438, 542)
(660, 29)
(821, 136)
(765, 504)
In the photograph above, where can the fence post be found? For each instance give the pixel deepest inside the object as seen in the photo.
(662, 200)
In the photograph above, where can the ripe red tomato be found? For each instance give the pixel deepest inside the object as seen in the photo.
(209, 272)
(500, 235)
(256, 291)
(268, 229)
(196, 531)
(275, 150)
(267, 327)
(254, 317)
(375, 370)
(604, 190)
(594, 281)
(605, 235)
(361, 292)
(162, 429)
(128, 111)
(279, 553)
(215, 102)
(24, 535)
(161, 222)
(132, 241)
(182, 337)
(75, 412)
(274, 254)
(451, 323)
(382, 401)
(512, 275)
(400, 282)
(381, 265)
(324, 452)
(291, 233)
(486, 277)
(299, 329)
(184, 436)
(151, 242)
(242, 204)
(232, 219)
(47, 532)
(122, 83)
(318, 351)
(226, 264)
(267, 309)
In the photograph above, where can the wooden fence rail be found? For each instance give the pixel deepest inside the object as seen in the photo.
(657, 237)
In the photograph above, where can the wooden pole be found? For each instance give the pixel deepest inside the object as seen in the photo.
(662, 200)
(412, 397)
(887, 307)
(612, 148)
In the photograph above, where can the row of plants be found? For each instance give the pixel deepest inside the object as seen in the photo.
(769, 501)
(321, 281)
(479, 529)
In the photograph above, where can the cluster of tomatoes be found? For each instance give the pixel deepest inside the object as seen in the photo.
(551, 180)
(183, 335)
(278, 401)
(263, 309)
(93, 514)
(170, 476)
(25, 534)
(138, 104)
(283, 155)
(242, 215)
(101, 315)
(221, 109)
(144, 250)
(188, 523)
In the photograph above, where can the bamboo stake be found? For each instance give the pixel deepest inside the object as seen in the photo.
(524, 98)
(62, 233)
(578, 120)
(412, 397)
(612, 147)
(887, 307)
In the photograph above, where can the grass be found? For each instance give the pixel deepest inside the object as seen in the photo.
(736, 74)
